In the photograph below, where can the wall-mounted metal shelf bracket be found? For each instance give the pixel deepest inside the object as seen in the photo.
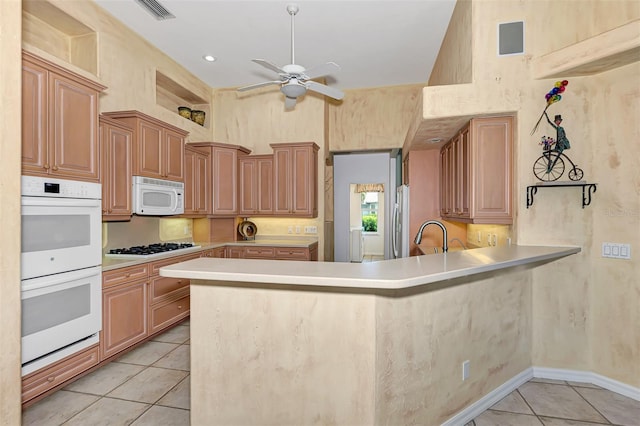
(587, 190)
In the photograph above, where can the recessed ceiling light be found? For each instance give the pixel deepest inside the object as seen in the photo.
(435, 140)
(209, 58)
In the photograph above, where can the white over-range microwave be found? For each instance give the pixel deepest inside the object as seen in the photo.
(157, 197)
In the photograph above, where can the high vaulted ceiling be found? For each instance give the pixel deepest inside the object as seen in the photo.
(376, 43)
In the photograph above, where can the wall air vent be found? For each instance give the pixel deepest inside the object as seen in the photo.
(156, 9)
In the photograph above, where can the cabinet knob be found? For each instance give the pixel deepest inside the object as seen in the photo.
(55, 168)
(179, 281)
(179, 306)
(51, 379)
(46, 167)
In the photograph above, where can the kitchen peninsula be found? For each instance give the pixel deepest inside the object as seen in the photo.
(278, 342)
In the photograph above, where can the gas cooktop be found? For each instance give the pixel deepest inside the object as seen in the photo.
(148, 251)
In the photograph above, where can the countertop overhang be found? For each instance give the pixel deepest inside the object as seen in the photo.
(388, 274)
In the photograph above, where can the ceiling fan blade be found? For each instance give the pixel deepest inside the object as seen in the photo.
(322, 70)
(289, 103)
(269, 65)
(325, 90)
(255, 86)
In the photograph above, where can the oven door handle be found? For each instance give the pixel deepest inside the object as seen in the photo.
(59, 202)
(57, 279)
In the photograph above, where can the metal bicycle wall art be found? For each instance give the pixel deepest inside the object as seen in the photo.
(553, 162)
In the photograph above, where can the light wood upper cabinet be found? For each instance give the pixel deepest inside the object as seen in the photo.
(59, 122)
(256, 185)
(295, 171)
(197, 182)
(115, 170)
(476, 172)
(223, 161)
(158, 147)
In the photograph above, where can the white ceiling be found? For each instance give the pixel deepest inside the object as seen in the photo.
(376, 43)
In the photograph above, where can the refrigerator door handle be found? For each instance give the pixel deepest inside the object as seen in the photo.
(394, 228)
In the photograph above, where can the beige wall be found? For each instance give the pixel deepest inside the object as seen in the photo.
(585, 309)
(10, 94)
(455, 59)
(370, 119)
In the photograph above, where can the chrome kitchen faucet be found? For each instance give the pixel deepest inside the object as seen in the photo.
(418, 239)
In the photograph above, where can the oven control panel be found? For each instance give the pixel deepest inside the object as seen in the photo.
(36, 186)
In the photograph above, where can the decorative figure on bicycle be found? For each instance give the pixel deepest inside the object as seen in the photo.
(550, 166)
(562, 142)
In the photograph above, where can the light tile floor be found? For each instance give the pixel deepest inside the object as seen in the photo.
(150, 386)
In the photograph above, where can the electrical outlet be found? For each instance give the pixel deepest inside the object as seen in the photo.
(290, 230)
(479, 237)
(488, 239)
(465, 370)
(297, 229)
(495, 240)
(616, 250)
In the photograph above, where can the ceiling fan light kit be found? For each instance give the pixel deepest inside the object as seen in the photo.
(295, 79)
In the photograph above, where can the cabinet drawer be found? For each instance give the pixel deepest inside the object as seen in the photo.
(166, 313)
(163, 287)
(155, 266)
(292, 253)
(259, 252)
(119, 276)
(41, 381)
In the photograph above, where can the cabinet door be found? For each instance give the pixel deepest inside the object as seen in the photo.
(282, 182)
(34, 119)
(264, 185)
(73, 116)
(148, 151)
(225, 181)
(259, 252)
(196, 182)
(256, 185)
(116, 172)
(446, 197)
(190, 181)
(305, 181)
(173, 152)
(463, 184)
(124, 317)
(247, 184)
(491, 174)
(234, 252)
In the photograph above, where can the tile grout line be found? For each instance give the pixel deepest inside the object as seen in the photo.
(591, 405)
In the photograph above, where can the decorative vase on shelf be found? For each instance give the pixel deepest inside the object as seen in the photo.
(198, 116)
(185, 112)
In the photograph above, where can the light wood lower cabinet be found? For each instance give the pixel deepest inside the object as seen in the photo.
(124, 309)
(163, 314)
(41, 381)
(273, 253)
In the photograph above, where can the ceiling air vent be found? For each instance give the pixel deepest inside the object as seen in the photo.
(156, 9)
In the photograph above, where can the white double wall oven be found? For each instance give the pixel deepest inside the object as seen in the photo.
(61, 256)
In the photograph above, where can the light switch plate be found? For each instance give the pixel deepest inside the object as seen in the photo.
(616, 250)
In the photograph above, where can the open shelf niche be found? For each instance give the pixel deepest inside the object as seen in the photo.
(52, 30)
(171, 95)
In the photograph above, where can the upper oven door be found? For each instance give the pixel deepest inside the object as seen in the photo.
(60, 234)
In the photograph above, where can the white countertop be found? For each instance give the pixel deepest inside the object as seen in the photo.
(386, 274)
(111, 263)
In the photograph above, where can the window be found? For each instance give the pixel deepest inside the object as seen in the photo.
(369, 209)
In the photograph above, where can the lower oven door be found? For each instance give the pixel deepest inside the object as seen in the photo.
(59, 310)
(59, 235)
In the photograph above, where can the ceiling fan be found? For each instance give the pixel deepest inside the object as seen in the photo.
(295, 80)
